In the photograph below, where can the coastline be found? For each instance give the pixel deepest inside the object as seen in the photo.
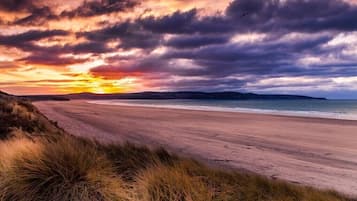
(309, 151)
(286, 113)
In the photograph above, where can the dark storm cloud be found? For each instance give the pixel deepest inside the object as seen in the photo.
(51, 60)
(223, 84)
(131, 35)
(93, 8)
(108, 33)
(196, 41)
(273, 17)
(187, 23)
(293, 15)
(178, 22)
(25, 41)
(146, 65)
(147, 33)
(16, 5)
(50, 55)
(39, 14)
(261, 16)
(86, 47)
(267, 58)
(39, 54)
(18, 40)
(252, 51)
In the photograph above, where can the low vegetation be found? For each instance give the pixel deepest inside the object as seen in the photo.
(63, 169)
(40, 162)
(20, 116)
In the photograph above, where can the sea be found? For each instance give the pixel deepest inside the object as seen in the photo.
(333, 109)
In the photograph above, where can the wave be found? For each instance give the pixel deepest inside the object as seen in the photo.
(295, 113)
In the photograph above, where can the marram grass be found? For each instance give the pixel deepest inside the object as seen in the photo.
(65, 169)
(162, 183)
(72, 169)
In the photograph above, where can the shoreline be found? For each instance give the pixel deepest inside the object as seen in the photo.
(283, 113)
(309, 151)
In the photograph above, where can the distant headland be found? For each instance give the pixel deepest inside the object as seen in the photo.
(173, 95)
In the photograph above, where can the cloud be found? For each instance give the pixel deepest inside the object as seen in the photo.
(86, 47)
(8, 65)
(37, 12)
(178, 22)
(129, 34)
(202, 84)
(16, 5)
(18, 40)
(37, 16)
(93, 8)
(293, 15)
(196, 41)
(260, 16)
(40, 12)
(50, 60)
(217, 65)
(192, 49)
(271, 57)
(190, 30)
(50, 55)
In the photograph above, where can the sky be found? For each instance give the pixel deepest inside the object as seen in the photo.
(306, 47)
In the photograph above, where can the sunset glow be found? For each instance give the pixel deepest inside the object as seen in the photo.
(110, 46)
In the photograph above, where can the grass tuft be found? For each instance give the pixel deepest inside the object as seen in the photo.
(129, 159)
(171, 183)
(64, 170)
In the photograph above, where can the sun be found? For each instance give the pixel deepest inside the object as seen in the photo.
(100, 85)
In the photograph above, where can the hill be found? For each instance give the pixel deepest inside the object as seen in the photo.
(174, 95)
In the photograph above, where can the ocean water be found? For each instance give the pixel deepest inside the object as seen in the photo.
(335, 109)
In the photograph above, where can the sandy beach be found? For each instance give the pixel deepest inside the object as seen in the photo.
(309, 151)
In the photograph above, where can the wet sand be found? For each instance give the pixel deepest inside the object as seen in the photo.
(310, 151)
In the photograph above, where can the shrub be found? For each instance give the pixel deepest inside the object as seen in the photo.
(64, 170)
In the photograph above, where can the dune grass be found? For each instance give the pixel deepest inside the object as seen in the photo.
(130, 159)
(70, 168)
(55, 166)
(19, 115)
(171, 183)
(234, 186)
(64, 169)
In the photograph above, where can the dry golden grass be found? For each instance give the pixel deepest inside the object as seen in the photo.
(73, 169)
(238, 186)
(130, 159)
(67, 169)
(163, 183)
(15, 148)
(21, 115)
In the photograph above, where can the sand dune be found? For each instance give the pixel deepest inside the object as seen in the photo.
(309, 151)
